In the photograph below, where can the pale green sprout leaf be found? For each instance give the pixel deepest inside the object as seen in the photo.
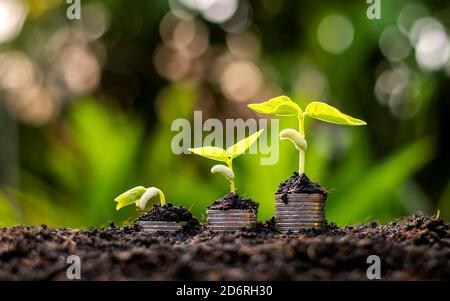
(279, 106)
(129, 197)
(211, 152)
(223, 170)
(241, 146)
(295, 137)
(288, 109)
(327, 113)
(269, 106)
(150, 193)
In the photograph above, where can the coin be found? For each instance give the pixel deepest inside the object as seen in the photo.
(230, 220)
(301, 211)
(161, 226)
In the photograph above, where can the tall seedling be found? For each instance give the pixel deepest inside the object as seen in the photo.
(284, 106)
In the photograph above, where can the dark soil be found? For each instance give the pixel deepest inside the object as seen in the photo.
(167, 213)
(417, 247)
(299, 184)
(234, 201)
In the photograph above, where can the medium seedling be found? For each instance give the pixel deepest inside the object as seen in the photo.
(284, 106)
(227, 156)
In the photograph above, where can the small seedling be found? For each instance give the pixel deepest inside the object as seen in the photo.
(161, 217)
(227, 156)
(139, 196)
(284, 106)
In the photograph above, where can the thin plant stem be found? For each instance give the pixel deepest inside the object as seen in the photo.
(301, 155)
(232, 185)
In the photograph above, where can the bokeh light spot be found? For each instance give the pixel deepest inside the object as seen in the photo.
(394, 45)
(220, 11)
(215, 11)
(335, 33)
(12, 16)
(80, 69)
(433, 46)
(409, 14)
(241, 80)
(16, 70)
(245, 45)
(310, 82)
(95, 20)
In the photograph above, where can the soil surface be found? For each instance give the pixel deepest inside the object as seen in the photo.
(417, 247)
(234, 201)
(300, 184)
(167, 213)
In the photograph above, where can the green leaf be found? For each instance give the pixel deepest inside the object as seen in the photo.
(129, 197)
(241, 146)
(279, 106)
(327, 113)
(211, 152)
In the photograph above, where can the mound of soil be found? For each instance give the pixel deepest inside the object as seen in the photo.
(234, 201)
(417, 247)
(167, 213)
(300, 184)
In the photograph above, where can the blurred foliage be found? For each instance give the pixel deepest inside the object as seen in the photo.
(113, 100)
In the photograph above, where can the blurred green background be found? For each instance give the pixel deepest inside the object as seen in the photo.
(86, 105)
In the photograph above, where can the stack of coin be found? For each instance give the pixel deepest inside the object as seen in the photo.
(161, 226)
(297, 211)
(230, 220)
